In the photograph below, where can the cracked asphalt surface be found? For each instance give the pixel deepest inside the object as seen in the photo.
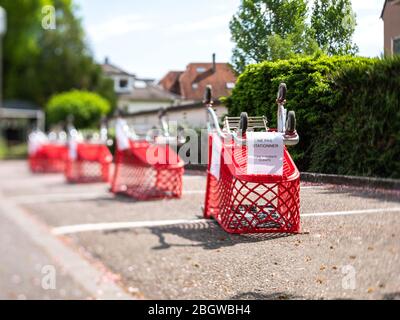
(338, 256)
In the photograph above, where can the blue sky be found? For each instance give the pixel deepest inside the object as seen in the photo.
(151, 37)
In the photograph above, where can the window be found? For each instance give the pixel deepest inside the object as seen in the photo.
(123, 83)
(396, 45)
(200, 69)
(230, 85)
(195, 86)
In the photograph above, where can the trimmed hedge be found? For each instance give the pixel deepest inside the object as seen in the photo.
(86, 107)
(347, 110)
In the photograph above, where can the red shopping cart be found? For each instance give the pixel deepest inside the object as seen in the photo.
(89, 160)
(46, 155)
(243, 197)
(146, 168)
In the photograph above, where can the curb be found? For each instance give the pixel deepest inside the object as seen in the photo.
(381, 183)
(351, 180)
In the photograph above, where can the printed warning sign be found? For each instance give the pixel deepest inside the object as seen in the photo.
(265, 153)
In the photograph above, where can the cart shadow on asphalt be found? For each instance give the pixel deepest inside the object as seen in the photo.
(392, 296)
(208, 235)
(288, 296)
(251, 295)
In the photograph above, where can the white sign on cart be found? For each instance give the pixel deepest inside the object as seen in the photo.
(215, 166)
(265, 153)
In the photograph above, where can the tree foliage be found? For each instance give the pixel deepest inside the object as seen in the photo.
(347, 110)
(39, 62)
(87, 108)
(279, 29)
(333, 23)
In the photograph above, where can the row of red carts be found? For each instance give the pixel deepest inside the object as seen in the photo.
(142, 168)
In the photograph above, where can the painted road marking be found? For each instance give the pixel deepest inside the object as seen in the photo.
(262, 190)
(348, 213)
(59, 197)
(123, 225)
(160, 223)
(69, 196)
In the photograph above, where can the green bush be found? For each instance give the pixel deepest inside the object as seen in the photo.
(347, 109)
(86, 107)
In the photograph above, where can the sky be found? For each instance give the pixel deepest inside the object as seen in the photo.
(151, 37)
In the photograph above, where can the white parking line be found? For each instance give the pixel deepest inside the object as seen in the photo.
(122, 225)
(348, 213)
(203, 191)
(160, 223)
(57, 197)
(69, 196)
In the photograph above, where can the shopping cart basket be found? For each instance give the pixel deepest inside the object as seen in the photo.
(243, 202)
(146, 168)
(89, 160)
(46, 155)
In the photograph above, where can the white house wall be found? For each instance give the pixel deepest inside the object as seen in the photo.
(134, 107)
(193, 118)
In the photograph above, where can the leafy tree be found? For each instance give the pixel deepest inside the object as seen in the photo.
(270, 29)
(278, 29)
(87, 108)
(333, 23)
(39, 62)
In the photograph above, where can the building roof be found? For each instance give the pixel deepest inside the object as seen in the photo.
(110, 69)
(191, 83)
(20, 105)
(20, 109)
(148, 93)
(170, 81)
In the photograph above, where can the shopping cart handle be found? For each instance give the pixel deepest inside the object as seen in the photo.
(281, 93)
(208, 95)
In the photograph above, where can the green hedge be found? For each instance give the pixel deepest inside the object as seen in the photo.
(347, 109)
(86, 107)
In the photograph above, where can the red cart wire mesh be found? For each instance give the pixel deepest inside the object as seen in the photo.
(243, 203)
(49, 158)
(92, 164)
(137, 176)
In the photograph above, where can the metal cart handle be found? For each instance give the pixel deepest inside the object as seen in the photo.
(163, 122)
(213, 124)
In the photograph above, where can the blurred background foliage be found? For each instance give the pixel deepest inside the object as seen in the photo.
(87, 108)
(40, 62)
(281, 29)
(347, 109)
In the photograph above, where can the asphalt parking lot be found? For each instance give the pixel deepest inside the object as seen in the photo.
(349, 246)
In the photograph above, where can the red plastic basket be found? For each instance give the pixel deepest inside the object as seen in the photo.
(92, 164)
(49, 158)
(243, 203)
(140, 178)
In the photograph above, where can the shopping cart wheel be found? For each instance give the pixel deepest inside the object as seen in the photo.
(291, 122)
(244, 120)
